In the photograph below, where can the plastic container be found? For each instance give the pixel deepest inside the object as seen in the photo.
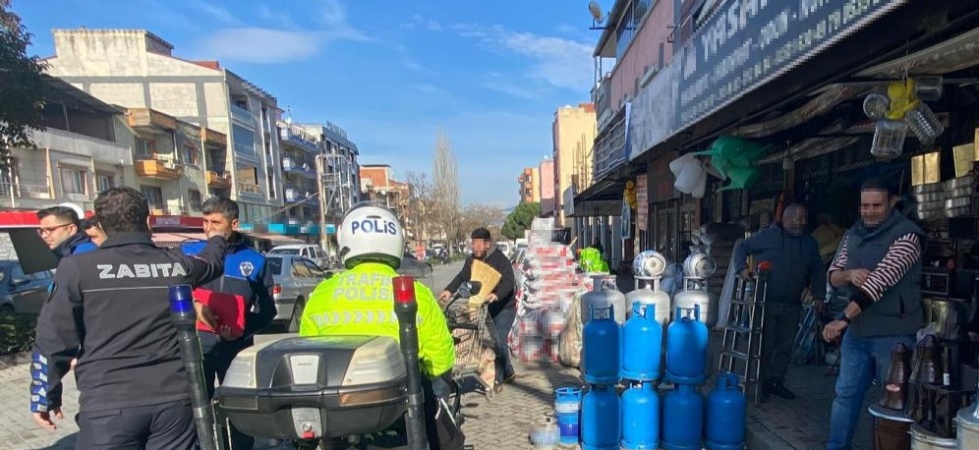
(642, 344)
(600, 347)
(600, 419)
(640, 417)
(567, 406)
(726, 415)
(889, 139)
(686, 348)
(683, 418)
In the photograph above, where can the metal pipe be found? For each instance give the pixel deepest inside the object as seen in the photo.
(185, 319)
(406, 308)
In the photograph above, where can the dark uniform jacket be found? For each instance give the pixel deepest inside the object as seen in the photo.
(114, 303)
(245, 274)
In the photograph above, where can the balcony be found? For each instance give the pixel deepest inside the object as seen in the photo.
(158, 169)
(249, 188)
(218, 180)
(298, 166)
(291, 134)
(243, 114)
(27, 191)
(150, 120)
(215, 138)
(77, 144)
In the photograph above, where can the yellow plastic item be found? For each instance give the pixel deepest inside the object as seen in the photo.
(903, 98)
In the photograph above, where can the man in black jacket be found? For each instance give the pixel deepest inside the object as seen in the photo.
(114, 303)
(502, 308)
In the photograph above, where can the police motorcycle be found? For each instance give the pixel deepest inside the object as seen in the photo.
(329, 392)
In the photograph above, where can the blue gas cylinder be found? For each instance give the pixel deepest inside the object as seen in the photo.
(567, 405)
(726, 410)
(600, 347)
(642, 342)
(683, 418)
(686, 348)
(600, 418)
(640, 417)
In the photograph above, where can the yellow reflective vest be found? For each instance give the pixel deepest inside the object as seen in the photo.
(360, 301)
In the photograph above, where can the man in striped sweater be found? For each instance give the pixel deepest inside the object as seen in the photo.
(879, 262)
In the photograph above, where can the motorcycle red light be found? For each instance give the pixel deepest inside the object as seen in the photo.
(404, 289)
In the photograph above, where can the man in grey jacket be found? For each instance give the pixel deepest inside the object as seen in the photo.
(879, 262)
(796, 265)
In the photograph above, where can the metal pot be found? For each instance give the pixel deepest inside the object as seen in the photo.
(960, 182)
(930, 187)
(930, 197)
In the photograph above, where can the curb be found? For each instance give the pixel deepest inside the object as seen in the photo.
(14, 360)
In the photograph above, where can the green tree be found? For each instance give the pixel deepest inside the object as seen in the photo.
(519, 220)
(21, 85)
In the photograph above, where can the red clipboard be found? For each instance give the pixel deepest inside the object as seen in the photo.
(229, 310)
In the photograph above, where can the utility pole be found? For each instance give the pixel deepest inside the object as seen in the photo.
(324, 201)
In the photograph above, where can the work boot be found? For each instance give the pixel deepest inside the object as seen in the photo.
(779, 390)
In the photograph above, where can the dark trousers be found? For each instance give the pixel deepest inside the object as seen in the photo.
(502, 322)
(168, 426)
(217, 359)
(781, 326)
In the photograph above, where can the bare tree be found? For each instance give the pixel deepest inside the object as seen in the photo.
(480, 216)
(419, 205)
(446, 190)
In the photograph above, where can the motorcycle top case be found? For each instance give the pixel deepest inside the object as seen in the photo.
(314, 387)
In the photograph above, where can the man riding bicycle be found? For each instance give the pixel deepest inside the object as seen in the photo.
(371, 243)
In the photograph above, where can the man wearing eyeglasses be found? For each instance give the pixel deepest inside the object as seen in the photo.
(59, 228)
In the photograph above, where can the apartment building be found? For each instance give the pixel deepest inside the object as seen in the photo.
(548, 201)
(299, 151)
(341, 177)
(85, 149)
(529, 181)
(574, 129)
(137, 70)
(378, 184)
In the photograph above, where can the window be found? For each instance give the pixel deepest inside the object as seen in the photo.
(154, 196)
(273, 265)
(314, 270)
(190, 155)
(104, 181)
(244, 140)
(194, 197)
(300, 269)
(145, 148)
(72, 181)
(8, 178)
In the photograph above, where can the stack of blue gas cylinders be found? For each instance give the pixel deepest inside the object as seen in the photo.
(640, 419)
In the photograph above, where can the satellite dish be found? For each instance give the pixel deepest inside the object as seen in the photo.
(596, 11)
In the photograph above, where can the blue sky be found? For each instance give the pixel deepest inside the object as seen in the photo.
(488, 73)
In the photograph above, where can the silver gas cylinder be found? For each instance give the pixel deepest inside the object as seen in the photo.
(695, 293)
(650, 296)
(602, 295)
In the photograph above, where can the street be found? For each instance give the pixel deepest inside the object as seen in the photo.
(503, 422)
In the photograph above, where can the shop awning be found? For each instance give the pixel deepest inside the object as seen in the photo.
(174, 239)
(603, 198)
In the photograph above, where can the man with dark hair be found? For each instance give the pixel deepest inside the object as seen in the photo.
(879, 264)
(245, 275)
(502, 308)
(113, 302)
(94, 231)
(59, 228)
(796, 265)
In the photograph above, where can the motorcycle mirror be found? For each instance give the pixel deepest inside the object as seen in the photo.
(475, 287)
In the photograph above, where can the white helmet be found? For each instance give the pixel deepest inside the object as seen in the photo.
(78, 209)
(369, 232)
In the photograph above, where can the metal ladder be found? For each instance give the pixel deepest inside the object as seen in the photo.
(741, 347)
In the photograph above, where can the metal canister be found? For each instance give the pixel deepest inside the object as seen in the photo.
(891, 429)
(967, 428)
(922, 439)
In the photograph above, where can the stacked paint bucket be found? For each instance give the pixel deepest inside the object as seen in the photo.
(686, 356)
(600, 360)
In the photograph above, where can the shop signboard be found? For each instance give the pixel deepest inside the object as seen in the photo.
(642, 202)
(747, 43)
(612, 151)
(654, 111)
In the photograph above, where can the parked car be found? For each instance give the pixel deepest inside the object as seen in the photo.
(295, 278)
(311, 252)
(411, 266)
(20, 292)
